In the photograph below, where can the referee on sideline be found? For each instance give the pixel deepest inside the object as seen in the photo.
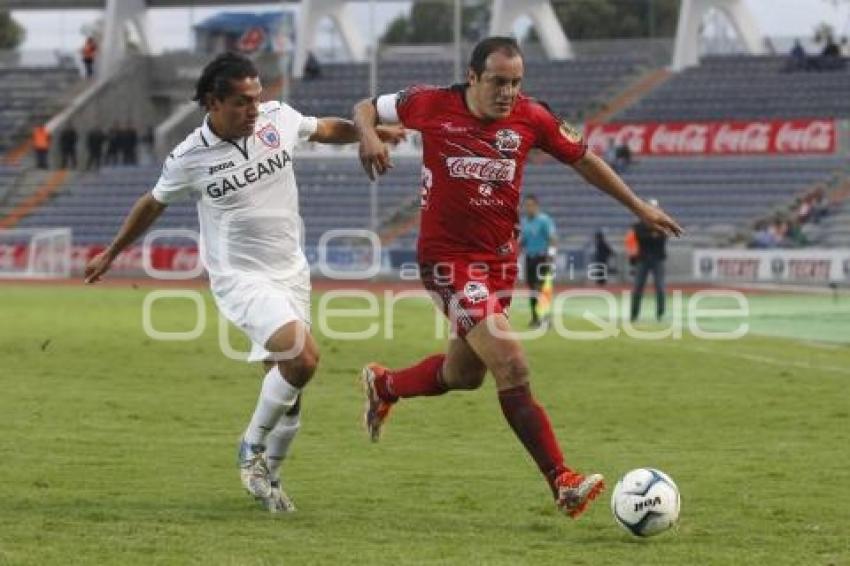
(537, 239)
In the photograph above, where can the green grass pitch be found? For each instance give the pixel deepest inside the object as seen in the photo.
(120, 449)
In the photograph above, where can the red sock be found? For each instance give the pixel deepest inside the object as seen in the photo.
(420, 380)
(531, 425)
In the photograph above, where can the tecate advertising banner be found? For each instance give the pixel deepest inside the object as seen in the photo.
(778, 266)
(764, 137)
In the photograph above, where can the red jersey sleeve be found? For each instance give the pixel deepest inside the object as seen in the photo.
(416, 104)
(558, 137)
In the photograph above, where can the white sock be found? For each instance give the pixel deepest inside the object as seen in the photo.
(276, 396)
(279, 440)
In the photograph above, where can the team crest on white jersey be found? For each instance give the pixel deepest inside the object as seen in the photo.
(269, 136)
(508, 140)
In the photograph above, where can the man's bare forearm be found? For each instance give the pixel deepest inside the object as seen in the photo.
(335, 130)
(365, 118)
(146, 210)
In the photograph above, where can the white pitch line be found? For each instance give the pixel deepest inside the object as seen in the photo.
(763, 359)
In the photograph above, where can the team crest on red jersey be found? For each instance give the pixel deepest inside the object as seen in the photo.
(508, 140)
(269, 136)
(476, 291)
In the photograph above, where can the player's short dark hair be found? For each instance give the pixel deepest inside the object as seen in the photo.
(532, 197)
(216, 78)
(485, 47)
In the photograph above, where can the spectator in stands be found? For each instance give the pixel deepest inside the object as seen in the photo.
(147, 145)
(113, 145)
(762, 237)
(622, 157)
(803, 208)
(831, 48)
(652, 253)
(820, 205)
(41, 145)
(794, 236)
(89, 52)
(778, 230)
(68, 146)
(129, 145)
(94, 143)
(312, 69)
(845, 47)
(798, 61)
(830, 57)
(611, 154)
(602, 254)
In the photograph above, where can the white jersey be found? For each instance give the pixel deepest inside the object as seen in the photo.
(247, 197)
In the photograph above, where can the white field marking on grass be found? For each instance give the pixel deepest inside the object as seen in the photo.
(824, 345)
(754, 358)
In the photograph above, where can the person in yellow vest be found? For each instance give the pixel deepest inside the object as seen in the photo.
(41, 145)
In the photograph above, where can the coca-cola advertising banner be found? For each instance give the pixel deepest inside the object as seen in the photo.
(766, 137)
(797, 266)
(14, 257)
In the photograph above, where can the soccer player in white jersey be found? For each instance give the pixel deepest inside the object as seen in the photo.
(238, 165)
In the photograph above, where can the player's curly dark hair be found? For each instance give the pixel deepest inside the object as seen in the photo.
(216, 77)
(485, 47)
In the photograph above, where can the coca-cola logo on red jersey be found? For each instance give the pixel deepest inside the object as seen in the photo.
(481, 168)
(757, 137)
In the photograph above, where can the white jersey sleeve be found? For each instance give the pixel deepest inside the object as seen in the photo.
(386, 106)
(289, 117)
(307, 127)
(173, 184)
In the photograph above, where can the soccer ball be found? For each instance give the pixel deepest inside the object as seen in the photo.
(645, 502)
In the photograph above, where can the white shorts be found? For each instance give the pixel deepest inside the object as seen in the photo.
(259, 307)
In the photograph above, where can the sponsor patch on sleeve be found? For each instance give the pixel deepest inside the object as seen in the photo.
(570, 132)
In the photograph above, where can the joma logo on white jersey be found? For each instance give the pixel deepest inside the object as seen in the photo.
(221, 167)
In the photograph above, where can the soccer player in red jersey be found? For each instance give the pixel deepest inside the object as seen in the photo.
(476, 137)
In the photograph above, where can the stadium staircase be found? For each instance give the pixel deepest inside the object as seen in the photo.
(30, 95)
(31, 189)
(630, 95)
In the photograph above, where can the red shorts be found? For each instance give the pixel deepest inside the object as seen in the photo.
(468, 292)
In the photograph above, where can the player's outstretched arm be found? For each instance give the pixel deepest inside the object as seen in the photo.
(596, 172)
(374, 154)
(341, 131)
(334, 130)
(146, 210)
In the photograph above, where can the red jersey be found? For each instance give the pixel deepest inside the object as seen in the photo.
(472, 169)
